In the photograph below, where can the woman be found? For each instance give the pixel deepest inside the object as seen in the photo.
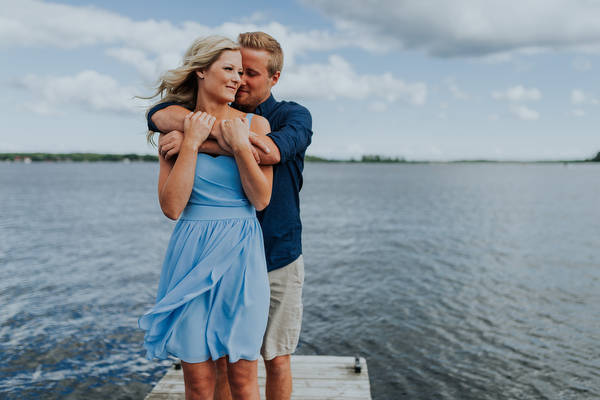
(213, 294)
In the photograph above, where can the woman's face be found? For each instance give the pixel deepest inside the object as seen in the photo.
(222, 79)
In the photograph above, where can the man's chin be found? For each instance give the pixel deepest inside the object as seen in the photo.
(242, 100)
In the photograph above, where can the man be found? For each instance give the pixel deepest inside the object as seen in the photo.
(284, 147)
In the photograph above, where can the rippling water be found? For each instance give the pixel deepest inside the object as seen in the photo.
(460, 281)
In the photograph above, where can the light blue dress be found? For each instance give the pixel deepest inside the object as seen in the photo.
(213, 293)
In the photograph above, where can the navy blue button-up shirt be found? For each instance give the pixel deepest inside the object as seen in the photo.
(291, 130)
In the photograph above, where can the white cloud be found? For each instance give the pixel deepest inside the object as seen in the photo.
(578, 96)
(578, 113)
(378, 107)
(338, 79)
(88, 90)
(517, 94)
(471, 28)
(582, 64)
(149, 69)
(458, 93)
(524, 113)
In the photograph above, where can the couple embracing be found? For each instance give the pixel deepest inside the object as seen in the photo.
(230, 171)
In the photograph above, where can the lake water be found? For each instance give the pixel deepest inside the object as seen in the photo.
(454, 281)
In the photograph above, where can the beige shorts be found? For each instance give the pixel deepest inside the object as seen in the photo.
(285, 312)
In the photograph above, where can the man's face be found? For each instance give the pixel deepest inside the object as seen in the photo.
(256, 83)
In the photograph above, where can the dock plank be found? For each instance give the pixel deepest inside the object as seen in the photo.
(315, 378)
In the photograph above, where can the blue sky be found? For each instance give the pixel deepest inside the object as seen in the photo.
(424, 80)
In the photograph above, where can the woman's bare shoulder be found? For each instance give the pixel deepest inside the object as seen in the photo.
(260, 125)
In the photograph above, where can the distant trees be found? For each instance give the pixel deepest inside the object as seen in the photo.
(76, 157)
(383, 159)
(93, 157)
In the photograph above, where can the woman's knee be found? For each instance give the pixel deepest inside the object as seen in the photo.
(199, 380)
(242, 373)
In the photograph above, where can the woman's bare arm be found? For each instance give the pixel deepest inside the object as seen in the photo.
(257, 180)
(176, 178)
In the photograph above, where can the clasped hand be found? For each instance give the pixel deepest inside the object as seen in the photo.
(236, 133)
(196, 128)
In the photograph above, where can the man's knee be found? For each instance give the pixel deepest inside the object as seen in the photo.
(278, 366)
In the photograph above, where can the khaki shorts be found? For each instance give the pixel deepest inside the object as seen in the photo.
(285, 312)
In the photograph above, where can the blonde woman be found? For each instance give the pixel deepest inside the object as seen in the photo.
(213, 294)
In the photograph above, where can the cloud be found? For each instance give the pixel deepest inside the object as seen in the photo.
(457, 92)
(148, 68)
(517, 94)
(338, 79)
(524, 113)
(378, 107)
(34, 23)
(470, 28)
(88, 90)
(153, 46)
(582, 64)
(578, 96)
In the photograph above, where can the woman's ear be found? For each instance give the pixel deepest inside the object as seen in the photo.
(200, 74)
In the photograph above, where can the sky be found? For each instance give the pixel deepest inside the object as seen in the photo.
(437, 80)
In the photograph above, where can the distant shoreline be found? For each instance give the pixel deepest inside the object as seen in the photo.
(126, 158)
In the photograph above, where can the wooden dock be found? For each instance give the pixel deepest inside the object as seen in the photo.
(315, 377)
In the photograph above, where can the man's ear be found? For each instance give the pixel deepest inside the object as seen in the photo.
(275, 78)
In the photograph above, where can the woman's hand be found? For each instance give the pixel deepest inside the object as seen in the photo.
(236, 133)
(196, 128)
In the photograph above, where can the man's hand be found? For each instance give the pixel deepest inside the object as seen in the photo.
(170, 144)
(255, 141)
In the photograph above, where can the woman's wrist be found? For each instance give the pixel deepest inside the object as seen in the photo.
(191, 145)
(241, 147)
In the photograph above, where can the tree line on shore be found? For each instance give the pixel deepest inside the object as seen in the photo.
(93, 157)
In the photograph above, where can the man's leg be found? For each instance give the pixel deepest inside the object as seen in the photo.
(283, 328)
(279, 378)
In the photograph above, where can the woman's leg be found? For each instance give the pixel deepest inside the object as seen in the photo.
(199, 380)
(243, 380)
(222, 391)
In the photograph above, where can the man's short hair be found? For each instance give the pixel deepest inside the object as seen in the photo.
(263, 41)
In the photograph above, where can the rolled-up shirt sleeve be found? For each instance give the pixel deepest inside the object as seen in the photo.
(295, 134)
(158, 107)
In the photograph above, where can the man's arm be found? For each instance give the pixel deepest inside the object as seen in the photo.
(266, 158)
(169, 117)
(291, 138)
(170, 144)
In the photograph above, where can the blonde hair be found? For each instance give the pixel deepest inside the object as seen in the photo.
(179, 85)
(263, 41)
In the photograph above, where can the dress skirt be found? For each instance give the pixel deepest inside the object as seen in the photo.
(213, 293)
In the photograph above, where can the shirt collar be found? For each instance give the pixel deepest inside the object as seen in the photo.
(266, 106)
